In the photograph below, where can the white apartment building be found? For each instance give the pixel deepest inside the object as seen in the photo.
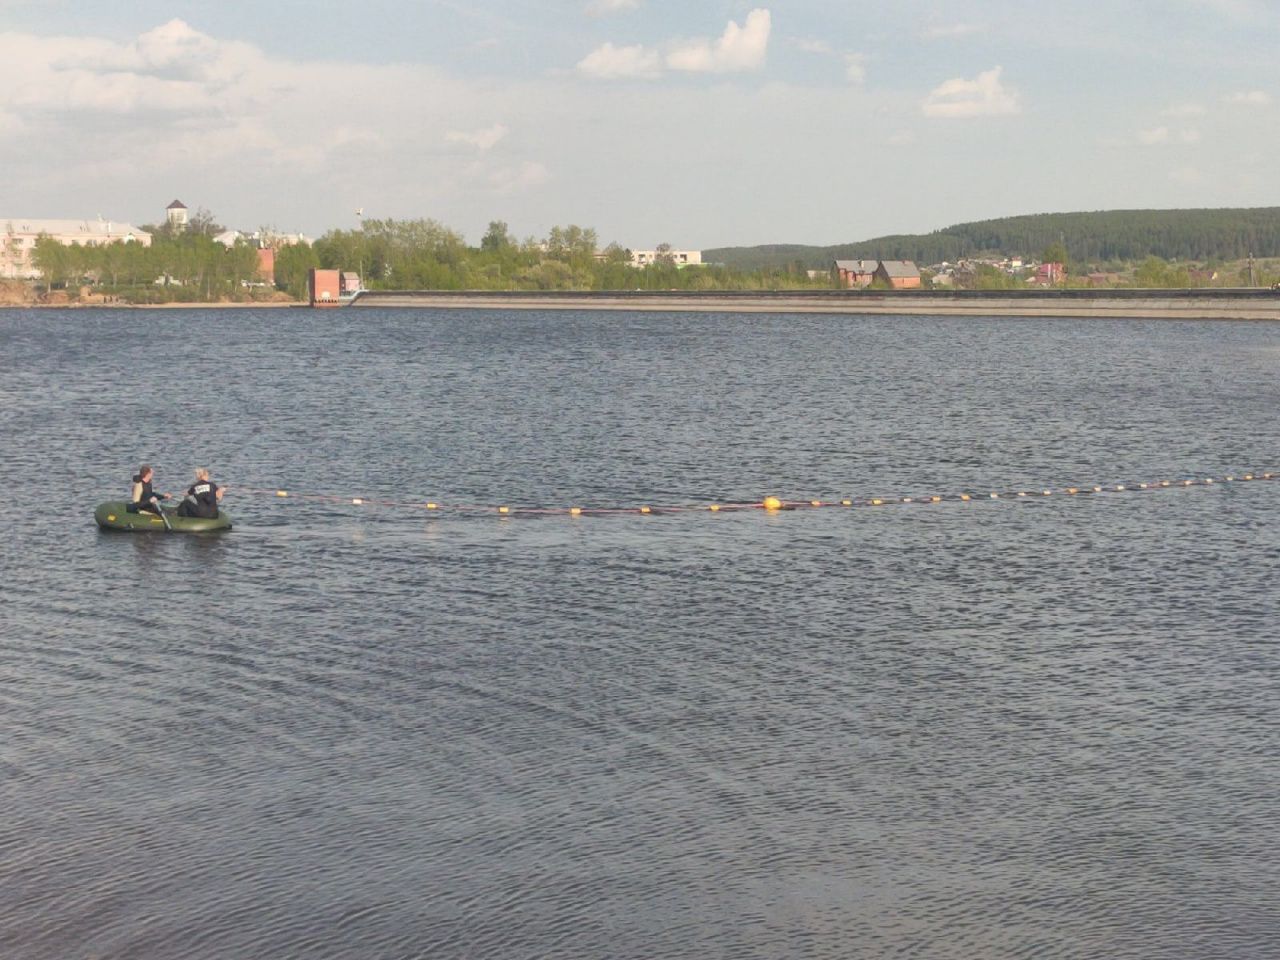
(681, 258)
(18, 240)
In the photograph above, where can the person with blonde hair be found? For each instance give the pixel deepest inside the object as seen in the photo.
(202, 497)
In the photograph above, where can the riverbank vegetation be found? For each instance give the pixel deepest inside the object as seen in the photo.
(190, 266)
(1109, 238)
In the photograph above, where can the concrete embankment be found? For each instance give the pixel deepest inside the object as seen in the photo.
(1157, 304)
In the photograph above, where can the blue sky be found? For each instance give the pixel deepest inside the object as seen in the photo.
(698, 124)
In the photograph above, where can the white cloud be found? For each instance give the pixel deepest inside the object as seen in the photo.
(855, 68)
(482, 140)
(1189, 109)
(1249, 98)
(608, 62)
(602, 8)
(811, 45)
(177, 111)
(982, 96)
(1186, 176)
(521, 177)
(903, 138)
(940, 31)
(1236, 9)
(1158, 136)
(738, 48)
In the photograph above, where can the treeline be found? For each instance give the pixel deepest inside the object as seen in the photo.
(176, 267)
(188, 265)
(1098, 238)
(426, 255)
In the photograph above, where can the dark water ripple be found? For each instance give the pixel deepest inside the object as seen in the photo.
(1044, 729)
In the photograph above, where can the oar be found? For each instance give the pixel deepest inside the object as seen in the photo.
(168, 527)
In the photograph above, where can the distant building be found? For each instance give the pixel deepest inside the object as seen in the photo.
(176, 215)
(854, 274)
(898, 274)
(18, 240)
(681, 258)
(267, 266)
(1049, 275)
(261, 240)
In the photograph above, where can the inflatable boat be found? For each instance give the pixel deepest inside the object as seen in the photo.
(115, 515)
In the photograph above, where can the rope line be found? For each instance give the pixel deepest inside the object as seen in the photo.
(769, 504)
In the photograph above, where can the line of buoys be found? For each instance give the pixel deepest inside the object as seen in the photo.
(769, 504)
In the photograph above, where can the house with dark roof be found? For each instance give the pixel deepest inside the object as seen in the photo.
(898, 274)
(176, 214)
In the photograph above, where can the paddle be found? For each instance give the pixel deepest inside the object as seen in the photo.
(160, 510)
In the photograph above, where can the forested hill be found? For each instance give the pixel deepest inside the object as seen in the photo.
(1098, 237)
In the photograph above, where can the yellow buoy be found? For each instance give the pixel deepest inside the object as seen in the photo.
(876, 503)
(504, 509)
(965, 496)
(815, 503)
(846, 503)
(282, 493)
(1072, 490)
(357, 501)
(714, 508)
(995, 496)
(433, 506)
(645, 510)
(772, 503)
(935, 499)
(575, 511)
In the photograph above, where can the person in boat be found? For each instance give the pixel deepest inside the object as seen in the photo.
(202, 497)
(141, 496)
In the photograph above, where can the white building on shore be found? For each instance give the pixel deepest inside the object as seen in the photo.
(681, 258)
(18, 240)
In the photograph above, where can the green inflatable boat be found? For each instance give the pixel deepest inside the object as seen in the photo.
(115, 515)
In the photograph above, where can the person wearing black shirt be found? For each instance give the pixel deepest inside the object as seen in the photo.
(142, 497)
(202, 497)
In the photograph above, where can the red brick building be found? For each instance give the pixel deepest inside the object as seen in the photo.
(854, 274)
(898, 274)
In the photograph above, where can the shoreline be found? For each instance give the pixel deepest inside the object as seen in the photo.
(1257, 305)
(1138, 304)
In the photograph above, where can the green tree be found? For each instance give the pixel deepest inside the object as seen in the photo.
(292, 264)
(497, 238)
(52, 259)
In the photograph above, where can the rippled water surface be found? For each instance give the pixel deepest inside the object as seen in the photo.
(966, 730)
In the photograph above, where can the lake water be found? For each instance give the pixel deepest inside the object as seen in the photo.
(1043, 729)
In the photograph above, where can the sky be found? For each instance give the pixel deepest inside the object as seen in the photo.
(698, 123)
